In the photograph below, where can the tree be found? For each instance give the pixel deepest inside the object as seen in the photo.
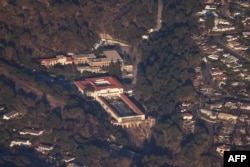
(248, 51)
(167, 135)
(115, 69)
(54, 121)
(194, 146)
(209, 22)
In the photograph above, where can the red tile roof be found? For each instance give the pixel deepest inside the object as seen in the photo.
(221, 77)
(131, 104)
(224, 147)
(113, 83)
(69, 59)
(113, 121)
(45, 147)
(80, 84)
(187, 114)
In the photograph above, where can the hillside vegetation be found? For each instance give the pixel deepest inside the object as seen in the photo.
(33, 29)
(43, 28)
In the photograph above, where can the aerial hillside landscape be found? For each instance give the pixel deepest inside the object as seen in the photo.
(44, 28)
(149, 83)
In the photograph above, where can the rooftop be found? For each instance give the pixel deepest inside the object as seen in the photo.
(99, 83)
(131, 104)
(69, 59)
(122, 106)
(11, 113)
(91, 55)
(31, 131)
(45, 145)
(112, 54)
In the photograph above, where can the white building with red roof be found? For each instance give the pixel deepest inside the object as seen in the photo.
(108, 92)
(31, 131)
(100, 86)
(105, 59)
(20, 142)
(44, 148)
(220, 149)
(68, 158)
(11, 115)
(185, 104)
(187, 116)
(59, 59)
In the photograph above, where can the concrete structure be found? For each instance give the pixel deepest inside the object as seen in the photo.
(222, 148)
(10, 115)
(100, 86)
(233, 44)
(210, 7)
(99, 62)
(246, 34)
(215, 106)
(109, 40)
(241, 47)
(20, 142)
(231, 105)
(245, 107)
(68, 158)
(232, 38)
(74, 165)
(185, 104)
(31, 131)
(128, 68)
(59, 59)
(44, 148)
(213, 57)
(222, 27)
(81, 69)
(109, 56)
(219, 21)
(99, 44)
(187, 116)
(1, 108)
(83, 58)
(125, 116)
(210, 114)
(225, 116)
(204, 111)
(108, 92)
(243, 117)
(96, 63)
(145, 36)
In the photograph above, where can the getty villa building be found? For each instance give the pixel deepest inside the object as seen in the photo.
(108, 92)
